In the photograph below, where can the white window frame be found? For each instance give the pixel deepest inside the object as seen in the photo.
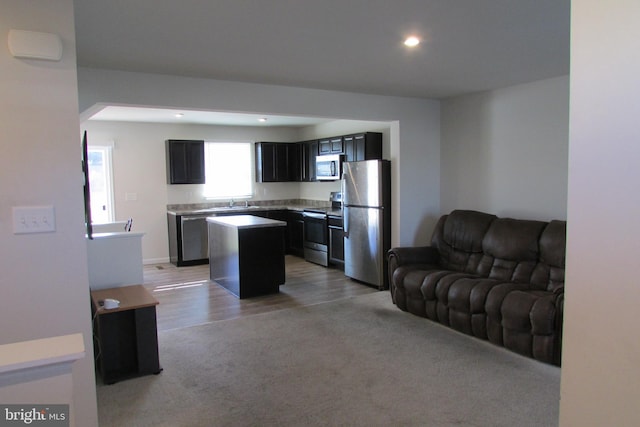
(220, 174)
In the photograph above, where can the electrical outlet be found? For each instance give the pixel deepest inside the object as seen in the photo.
(33, 219)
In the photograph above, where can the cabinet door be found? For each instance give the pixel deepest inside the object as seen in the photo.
(336, 241)
(265, 162)
(365, 146)
(360, 148)
(309, 153)
(185, 162)
(294, 162)
(173, 230)
(349, 149)
(277, 162)
(281, 162)
(271, 162)
(324, 146)
(331, 145)
(336, 145)
(370, 144)
(295, 229)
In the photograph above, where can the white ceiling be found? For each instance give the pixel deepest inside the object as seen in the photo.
(347, 45)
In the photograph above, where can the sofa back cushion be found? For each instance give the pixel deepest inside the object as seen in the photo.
(549, 272)
(458, 237)
(504, 249)
(510, 249)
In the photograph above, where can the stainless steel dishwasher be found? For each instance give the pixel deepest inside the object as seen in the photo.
(194, 242)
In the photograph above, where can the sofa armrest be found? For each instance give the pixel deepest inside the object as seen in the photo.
(408, 255)
(412, 255)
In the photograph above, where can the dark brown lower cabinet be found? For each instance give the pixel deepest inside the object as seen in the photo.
(295, 226)
(125, 338)
(336, 241)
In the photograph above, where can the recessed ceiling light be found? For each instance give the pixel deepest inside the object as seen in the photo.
(262, 119)
(179, 115)
(412, 41)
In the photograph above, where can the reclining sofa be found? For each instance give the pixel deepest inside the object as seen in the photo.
(498, 279)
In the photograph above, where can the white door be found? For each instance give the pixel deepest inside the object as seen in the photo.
(100, 184)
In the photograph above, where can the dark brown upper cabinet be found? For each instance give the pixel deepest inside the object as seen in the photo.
(185, 161)
(278, 162)
(331, 145)
(362, 146)
(309, 153)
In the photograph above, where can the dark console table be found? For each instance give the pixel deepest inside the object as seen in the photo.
(246, 254)
(125, 338)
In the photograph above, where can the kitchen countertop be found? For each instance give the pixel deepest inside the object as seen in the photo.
(240, 210)
(245, 221)
(328, 211)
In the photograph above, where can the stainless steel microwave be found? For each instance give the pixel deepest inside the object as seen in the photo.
(329, 167)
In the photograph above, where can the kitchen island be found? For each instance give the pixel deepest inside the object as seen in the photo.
(246, 254)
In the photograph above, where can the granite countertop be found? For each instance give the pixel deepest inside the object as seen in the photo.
(292, 205)
(245, 221)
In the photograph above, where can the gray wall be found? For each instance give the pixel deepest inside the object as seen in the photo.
(505, 151)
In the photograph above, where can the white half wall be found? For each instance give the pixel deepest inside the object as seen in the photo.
(414, 137)
(44, 280)
(505, 151)
(601, 344)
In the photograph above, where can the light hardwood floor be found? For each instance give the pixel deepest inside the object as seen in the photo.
(187, 297)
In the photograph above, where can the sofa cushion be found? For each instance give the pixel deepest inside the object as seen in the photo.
(458, 237)
(466, 298)
(531, 322)
(549, 272)
(511, 249)
(493, 308)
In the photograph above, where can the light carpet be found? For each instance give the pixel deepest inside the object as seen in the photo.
(358, 361)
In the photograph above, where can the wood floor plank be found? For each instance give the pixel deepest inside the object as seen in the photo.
(187, 297)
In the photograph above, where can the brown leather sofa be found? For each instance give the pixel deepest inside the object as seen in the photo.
(499, 279)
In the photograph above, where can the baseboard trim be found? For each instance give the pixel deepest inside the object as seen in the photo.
(155, 261)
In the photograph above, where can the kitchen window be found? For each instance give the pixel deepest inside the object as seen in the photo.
(228, 170)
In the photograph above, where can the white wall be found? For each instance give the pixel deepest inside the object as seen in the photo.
(601, 356)
(414, 136)
(44, 280)
(505, 151)
(139, 167)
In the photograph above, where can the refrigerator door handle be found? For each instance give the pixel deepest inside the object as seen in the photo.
(345, 224)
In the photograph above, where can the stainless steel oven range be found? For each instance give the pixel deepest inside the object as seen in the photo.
(316, 232)
(316, 236)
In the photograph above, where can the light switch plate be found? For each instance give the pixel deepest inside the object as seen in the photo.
(33, 219)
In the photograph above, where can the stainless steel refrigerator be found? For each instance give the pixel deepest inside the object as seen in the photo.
(366, 199)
